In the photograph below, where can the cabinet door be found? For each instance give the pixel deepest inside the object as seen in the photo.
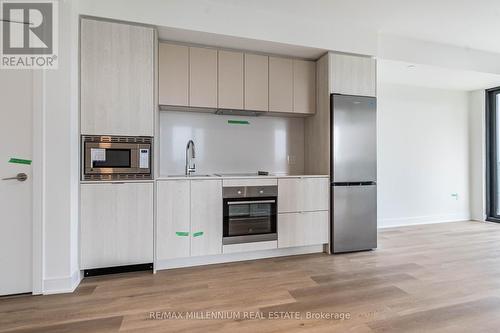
(117, 78)
(173, 78)
(173, 238)
(206, 217)
(230, 84)
(304, 86)
(290, 195)
(280, 84)
(256, 82)
(202, 77)
(302, 229)
(353, 75)
(116, 224)
(315, 194)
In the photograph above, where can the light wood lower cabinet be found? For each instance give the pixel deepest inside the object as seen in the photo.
(189, 218)
(302, 229)
(173, 239)
(303, 194)
(206, 217)
(116, 224)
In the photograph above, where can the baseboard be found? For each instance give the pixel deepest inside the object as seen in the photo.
(62, 285)
(421, 220)
(233, 257)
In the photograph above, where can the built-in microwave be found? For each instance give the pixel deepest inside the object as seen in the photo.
(116, 157)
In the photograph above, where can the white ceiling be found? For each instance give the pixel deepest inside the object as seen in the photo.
(466, 23)
(405, 73)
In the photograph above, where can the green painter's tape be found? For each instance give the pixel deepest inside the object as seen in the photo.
(238, 122)
(182, 233)
(19, 161)
(197, 234)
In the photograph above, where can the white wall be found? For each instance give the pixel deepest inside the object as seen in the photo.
(423, 155)
(477, 155)
(60, 139)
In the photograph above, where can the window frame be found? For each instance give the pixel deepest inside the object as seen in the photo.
(491, 155)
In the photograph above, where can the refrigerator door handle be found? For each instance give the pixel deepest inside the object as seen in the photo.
(354, 183)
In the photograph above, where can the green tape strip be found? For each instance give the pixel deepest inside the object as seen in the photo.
(238, 122)
(182, 233)
(19, 161)
(197, 234)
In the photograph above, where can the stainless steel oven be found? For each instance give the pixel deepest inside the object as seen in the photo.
(249, 214)
(116, 157)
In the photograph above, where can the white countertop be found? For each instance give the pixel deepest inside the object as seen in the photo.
(272, 176)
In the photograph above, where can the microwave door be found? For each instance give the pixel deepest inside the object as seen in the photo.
(353, 139)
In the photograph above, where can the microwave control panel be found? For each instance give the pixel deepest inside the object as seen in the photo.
(144, 158)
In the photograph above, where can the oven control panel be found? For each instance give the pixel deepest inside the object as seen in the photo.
(249, 191)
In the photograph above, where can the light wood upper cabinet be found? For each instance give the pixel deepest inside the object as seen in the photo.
(206, 217)
(353, 75)
(116, 224)
(210, 78)
(173, 66)
(202, 77)
(256, 82)
(280, 84)
(117, 78)
(230, 84)
(304, 86)
(173, 231)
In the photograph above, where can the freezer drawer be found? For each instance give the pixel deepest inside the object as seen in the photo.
(354, 218)
(354, 139)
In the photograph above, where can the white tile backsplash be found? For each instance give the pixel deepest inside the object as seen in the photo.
(271, 144)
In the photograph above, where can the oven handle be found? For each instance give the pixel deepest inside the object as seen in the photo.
(250, 202)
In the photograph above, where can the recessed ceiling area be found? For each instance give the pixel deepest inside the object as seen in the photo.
(238, 43)
(398, 72)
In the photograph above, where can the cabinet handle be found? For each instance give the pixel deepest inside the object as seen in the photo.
(182, 233)
(198, 233)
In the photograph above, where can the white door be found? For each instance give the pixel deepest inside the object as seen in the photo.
(16, 105)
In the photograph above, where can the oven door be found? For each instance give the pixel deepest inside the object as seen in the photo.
(249, 220)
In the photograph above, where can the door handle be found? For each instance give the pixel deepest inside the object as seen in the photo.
(19, 177)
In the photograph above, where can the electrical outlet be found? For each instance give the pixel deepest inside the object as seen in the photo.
(291, 159)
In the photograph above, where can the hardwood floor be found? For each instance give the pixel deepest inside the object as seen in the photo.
(430, 278)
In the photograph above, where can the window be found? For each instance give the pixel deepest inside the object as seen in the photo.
(493, 154)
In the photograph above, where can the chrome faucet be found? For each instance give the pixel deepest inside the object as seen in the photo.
(190, 156)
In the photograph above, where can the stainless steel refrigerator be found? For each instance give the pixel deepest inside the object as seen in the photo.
(353, 173)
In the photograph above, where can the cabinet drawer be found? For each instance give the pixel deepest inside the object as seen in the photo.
(302, 229)
(303, 194)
